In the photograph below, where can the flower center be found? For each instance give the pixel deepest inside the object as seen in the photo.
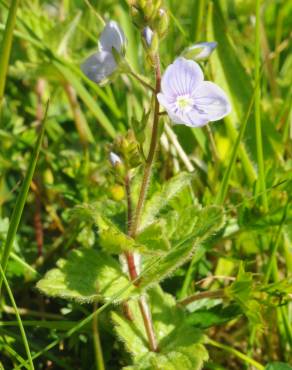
(184, 103)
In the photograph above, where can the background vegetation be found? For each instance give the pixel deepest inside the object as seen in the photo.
(50, 39)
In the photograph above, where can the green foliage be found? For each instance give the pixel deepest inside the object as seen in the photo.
(186, 239)
(278, 366)
(180, 345)
(218, 315)
(161, 198)
(88, 275)
(242, 291)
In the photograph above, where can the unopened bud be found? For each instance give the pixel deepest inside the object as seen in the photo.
(147, 34)
(199, 51)
(137, 16)
(149, 10)
(162, 22)
(114, 159)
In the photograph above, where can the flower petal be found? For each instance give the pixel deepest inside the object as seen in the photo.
(112, 37)
(192, 118)
(181, 77)
(99, 66)
(210, 99)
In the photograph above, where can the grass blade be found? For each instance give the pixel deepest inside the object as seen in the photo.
(6, 46)
(21, 328)
(18, 209)
(259, 141)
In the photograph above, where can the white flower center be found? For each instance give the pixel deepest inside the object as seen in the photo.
(184, 103)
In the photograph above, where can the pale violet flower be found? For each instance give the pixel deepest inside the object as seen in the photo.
(100, 66)
(188, 99)
(199, 51)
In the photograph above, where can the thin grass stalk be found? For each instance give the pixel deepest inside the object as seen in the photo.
(21, 199)
(21, 328)
(97, 343)
(259, 141)
(5, 49)
(236, 353)
(200, 7)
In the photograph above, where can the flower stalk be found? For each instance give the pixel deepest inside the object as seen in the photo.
(133, 222)
(151, 154)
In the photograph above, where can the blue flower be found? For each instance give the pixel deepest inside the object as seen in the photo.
(102, 65)
(188, 99)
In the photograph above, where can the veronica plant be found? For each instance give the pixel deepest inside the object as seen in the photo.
(128, 263)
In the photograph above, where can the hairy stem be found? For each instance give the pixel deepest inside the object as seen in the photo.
(134, 221)
(151, 154)
(141, 80)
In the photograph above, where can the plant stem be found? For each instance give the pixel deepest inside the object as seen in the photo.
(141, 80)
(81, 124)
(180, 151)
(134, 221)
(151, 154)
(129, 202)
(259, 142)
(97, 344)
(195, 297)
(236, 353)
(274, 246)
(21, 328)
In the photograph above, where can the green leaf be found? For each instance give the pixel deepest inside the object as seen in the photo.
(154, 237)
(218, 315)
(229, 73)
(242, 291)
(180, 346)
(113, 240)
(87, 275)
(6, 44)
(160, 199)
(278, 366)
(21, 198)
(205, 223)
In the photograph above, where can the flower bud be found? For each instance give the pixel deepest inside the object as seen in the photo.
(114, 159)
(147, 34)
(151, 42)
(103, 65)
(162, 22)
(137, 16)
(149, 10)
(200, 51)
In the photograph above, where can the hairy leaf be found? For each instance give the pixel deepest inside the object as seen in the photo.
(180, 346)
(205, 223)
(241, 290)
(87, 275)
(160, 199)
(154, 237)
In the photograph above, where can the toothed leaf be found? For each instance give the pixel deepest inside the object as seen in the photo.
(187, 242)
(87, 275)
(180, 346)
(160, 199)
